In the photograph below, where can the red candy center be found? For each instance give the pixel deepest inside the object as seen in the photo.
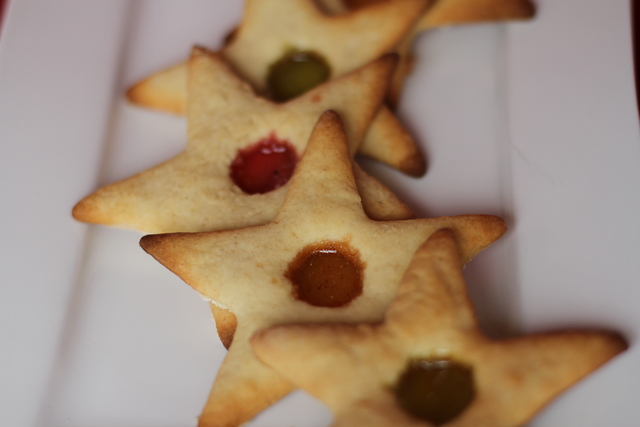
(264, 166)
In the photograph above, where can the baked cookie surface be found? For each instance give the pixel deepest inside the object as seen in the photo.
(254, 271)
(196, 191)
(428, 363)
(272, 29)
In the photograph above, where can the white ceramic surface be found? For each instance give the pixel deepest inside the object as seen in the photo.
(535, 122)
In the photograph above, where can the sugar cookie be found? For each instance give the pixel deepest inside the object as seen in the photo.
(428, 362)
(196, 190)
(273, 29)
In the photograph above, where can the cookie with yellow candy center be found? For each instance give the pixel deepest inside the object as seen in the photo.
(428, 363)
(321, 260)
(285, 47)
(241, 152)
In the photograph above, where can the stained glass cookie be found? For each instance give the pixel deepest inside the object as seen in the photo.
(378, 202)
(285, 47)
(241, 152)
(428, 363)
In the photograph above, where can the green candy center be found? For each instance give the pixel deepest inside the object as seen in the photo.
(435, 390)
(296, 73)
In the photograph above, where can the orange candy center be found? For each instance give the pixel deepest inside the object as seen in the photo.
(326, 275)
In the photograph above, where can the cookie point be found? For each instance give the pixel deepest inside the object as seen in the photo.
(78, 210)
(330, 116)
(198, 50)
(149, 242)
(497, 224)
(87, 211)
(618, 342)
(415, 166)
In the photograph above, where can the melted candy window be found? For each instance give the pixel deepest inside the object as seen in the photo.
(296, 73)
(326, 275)
(264, 166)
(435, 390)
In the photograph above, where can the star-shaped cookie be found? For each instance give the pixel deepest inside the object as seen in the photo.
(263, 274)
(378, 202)
(428, 363)
(195, 191)
(272, 28)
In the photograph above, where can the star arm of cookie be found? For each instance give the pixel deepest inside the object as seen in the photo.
(165, 198)
(222, 266)
(164, 90)
(388, 142)
(328, 170)
(473, 233)
(378, 202)
(432, 296)
(519, 376)
(219, 101)
(226, 323)
(455, 12)
(317, 357)
(243, 387)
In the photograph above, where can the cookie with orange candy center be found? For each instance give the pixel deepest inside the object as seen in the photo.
(242, 150)
(378, 202)
(285, 47)
(322, 259)
(428, 363)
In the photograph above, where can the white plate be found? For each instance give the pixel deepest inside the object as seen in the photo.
(536, 122)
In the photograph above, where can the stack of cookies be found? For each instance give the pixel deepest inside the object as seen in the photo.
(318, 276)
